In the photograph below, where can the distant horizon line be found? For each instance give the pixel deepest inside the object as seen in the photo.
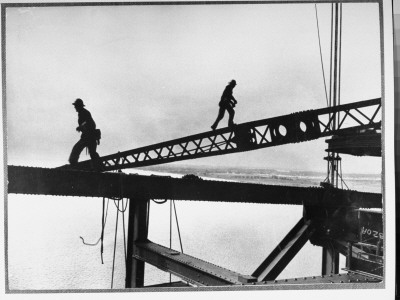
(168, 166)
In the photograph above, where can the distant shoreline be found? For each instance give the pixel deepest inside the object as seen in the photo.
(182, 168)
(353, 181)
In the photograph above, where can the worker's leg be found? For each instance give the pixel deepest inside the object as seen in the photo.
(231, 112)
(221, 114)
(76, 151)
(96, 163)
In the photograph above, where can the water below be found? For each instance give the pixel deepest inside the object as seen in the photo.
(45, 251)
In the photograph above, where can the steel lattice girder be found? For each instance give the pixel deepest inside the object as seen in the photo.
(30, 180)
(293, 128)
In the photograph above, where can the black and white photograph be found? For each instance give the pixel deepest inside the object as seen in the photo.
(194, 147)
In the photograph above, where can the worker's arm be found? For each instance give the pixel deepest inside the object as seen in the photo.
(81, 127)
(86, 122)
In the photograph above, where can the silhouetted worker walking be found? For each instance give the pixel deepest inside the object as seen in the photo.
(227, 102)
(89, 138)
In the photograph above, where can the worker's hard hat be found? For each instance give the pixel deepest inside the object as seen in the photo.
(78, 102)
(233, 81)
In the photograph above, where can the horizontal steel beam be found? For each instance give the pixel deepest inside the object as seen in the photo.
(175, 284)
(187, 267)
(350, 277)
(362, 144)
(325, 280)
(292, 128)
(202, 273)
(30, 180)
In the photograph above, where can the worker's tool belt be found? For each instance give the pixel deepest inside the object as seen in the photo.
(97, 135)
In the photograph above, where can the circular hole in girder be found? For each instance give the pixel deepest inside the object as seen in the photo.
(282, 130)
(303, 126)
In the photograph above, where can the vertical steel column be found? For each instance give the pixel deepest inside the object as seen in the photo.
(397, 134)
(330, 258)
(335, 86)
(137, 232)
(330, 261)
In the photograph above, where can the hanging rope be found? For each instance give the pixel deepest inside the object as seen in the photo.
(117, 206)
(101, 238)
(121, 209)
(102, 230)
(115, 246)
(159, 202)
(320, 52)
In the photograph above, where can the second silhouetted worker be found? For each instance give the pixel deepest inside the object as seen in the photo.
(227, 103)
(88, 138)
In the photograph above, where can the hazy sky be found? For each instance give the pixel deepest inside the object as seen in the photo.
(153, 73)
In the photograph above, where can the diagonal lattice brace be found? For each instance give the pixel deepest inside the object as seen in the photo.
(287, 249)
(343, 119)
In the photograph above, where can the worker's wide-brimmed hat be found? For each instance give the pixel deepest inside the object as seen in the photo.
(78, 102)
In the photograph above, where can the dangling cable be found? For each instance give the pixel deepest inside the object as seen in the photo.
(320, 52)
(177, 225)
(340, 59)
(331, 59)
(332, 261)
(343, 182)
(170, 231)
(336, 162)
(341, 178)
(340, 53)
(179, 232)
(123, 226)
(147, 215)
(328, 172)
